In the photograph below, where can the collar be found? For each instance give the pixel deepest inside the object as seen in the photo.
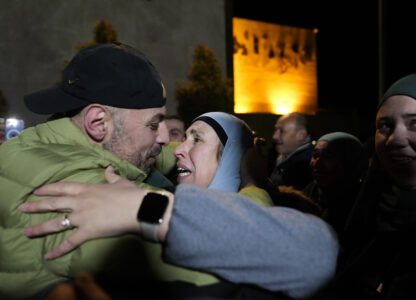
(65, 132)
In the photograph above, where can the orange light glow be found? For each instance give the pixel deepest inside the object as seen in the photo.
(274, 68)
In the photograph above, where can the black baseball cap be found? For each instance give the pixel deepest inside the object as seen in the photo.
(110, 74)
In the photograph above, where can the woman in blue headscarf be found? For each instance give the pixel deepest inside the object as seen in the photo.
(212, 153)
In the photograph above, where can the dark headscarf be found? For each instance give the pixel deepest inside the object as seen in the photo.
(350, 152)
(405, 86)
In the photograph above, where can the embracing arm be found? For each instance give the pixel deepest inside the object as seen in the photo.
(277, 248)
(96, 210)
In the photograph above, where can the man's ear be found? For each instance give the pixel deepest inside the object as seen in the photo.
(96, 121)
(301, 134)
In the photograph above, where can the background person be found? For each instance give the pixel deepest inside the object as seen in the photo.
(176, 128)
(294, 149)
(378, 260)
(338, 163)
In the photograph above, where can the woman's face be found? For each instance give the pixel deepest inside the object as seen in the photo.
(395, 139)
(325, 166)
(197, 155)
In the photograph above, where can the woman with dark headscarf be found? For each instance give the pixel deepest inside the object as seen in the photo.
(379, 259)
(337, 164)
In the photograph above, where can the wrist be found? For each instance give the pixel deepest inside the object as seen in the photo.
(153, 214)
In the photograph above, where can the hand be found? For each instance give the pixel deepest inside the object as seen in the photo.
(97, 210)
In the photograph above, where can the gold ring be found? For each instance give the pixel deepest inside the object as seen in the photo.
(66, 223)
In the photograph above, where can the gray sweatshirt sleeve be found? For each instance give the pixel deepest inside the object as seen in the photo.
(277, 248)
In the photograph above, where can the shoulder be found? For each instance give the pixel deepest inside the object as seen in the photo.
(258, 195)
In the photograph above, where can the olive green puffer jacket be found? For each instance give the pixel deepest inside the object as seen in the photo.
(58, 151)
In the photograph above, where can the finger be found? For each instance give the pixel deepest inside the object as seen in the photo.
(72, 242)
(111, 176)
(47, 227)
(50, 204)
(60, 189)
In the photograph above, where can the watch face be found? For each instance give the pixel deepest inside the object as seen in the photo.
(153, 207)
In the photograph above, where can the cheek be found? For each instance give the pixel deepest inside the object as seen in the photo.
(412, 141)
(379, 144)
(332, 166)
(147, 141)
(205, 165)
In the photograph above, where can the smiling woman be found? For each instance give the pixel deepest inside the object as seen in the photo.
(379, 256)
(395, 138)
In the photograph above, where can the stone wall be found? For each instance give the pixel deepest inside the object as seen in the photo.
(37, 36)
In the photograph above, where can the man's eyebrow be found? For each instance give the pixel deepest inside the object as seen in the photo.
(406, 116)
(157, 118)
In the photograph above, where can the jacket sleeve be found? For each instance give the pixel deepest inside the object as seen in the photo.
(277, 248)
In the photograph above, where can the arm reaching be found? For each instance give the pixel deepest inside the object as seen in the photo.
(277, 248)
(97, 210)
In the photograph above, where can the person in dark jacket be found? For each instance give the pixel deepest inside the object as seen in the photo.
(378, 260)
(337, 164)
(294, 148)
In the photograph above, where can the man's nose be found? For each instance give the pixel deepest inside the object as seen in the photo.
(276, 135)
(162, 134)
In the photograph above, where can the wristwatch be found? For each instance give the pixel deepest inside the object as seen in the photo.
(150, 214)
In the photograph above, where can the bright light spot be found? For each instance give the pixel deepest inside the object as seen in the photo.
(282, 109)
(11, 122)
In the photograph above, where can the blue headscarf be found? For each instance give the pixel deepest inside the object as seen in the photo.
(236, 137)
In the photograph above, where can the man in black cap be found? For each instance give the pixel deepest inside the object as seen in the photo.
(114, 95)
(108, 111)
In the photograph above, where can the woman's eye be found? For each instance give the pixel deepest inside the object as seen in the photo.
(384, 128)
(412, 124)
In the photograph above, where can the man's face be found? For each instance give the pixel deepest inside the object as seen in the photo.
(286, 135)
(176, 130)
(138, 136)
(395, 139)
